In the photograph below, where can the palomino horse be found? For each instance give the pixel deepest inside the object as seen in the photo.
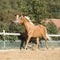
(32, 30)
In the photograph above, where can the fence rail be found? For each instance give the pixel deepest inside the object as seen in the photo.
(5, 33)
(53, 35)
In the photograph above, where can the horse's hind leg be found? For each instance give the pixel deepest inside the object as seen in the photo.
(37, 43)
(45, 41)
(46, 44)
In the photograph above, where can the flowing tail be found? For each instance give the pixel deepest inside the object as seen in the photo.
(45, 30)
(48, 37)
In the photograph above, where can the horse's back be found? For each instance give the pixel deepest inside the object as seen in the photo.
(39, 28)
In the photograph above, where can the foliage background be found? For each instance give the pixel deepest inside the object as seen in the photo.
(37, 10)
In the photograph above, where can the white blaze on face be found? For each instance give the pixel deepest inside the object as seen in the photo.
(17, 18)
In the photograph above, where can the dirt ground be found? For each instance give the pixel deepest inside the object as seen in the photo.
(41, 54)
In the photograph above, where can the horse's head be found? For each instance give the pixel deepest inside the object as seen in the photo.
(19, 20)
(22, 20)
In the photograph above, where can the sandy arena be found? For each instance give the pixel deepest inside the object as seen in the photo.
(41, 54)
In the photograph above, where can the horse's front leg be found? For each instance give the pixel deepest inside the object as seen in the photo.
(27, 41)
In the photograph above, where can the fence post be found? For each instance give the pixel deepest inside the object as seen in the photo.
(4, 38)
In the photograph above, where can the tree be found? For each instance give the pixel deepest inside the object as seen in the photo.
(53, 8)
(51, 27)
(37, 10)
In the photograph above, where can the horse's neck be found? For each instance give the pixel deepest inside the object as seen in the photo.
(28, 26)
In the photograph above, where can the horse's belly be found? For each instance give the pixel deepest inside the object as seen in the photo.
(36, 34)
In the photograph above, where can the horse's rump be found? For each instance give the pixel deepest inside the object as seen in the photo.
(39, 30)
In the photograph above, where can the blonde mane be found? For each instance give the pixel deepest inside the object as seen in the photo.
(28, 18)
